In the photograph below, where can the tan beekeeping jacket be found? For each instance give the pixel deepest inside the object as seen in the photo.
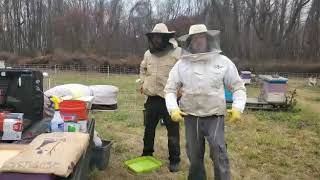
(154, 70)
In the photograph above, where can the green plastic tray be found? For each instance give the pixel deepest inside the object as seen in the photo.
(143, 164)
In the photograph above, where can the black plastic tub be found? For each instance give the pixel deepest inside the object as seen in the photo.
(101, 155)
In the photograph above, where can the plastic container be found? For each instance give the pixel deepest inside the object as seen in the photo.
(74, 108)
(101, 155)
(143, 164)
(83, 126)
(57, 123)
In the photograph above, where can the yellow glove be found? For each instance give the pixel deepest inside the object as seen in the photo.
(234, 115)
(56, 101)
(177, 115)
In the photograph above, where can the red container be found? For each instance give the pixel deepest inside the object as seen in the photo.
(74, 108)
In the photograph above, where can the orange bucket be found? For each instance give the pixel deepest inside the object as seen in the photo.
(75, 108)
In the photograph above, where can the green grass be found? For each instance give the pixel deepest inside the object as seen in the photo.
(264, 145)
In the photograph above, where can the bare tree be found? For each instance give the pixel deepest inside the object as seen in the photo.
(251, 29)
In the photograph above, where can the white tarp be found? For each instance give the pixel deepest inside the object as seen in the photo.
(78, 90)
(104, 94)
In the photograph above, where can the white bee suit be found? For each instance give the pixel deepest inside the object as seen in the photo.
(202, 78)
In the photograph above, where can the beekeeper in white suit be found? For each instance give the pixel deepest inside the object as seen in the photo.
(201, 73)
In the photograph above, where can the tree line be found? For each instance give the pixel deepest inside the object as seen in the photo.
(251, 29)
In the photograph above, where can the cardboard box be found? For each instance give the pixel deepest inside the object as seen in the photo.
(83, 126)
(11, 126)
(71, 127)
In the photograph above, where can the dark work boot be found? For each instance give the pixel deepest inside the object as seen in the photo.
(174, 167)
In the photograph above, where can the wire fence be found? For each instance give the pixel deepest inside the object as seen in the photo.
(126, 69)
(60, 68)
(129, 98)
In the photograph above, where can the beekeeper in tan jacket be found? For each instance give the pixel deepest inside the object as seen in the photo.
(201, 73)
(162, 55)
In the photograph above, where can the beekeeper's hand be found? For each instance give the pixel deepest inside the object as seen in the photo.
(177, 115)
(234, 115)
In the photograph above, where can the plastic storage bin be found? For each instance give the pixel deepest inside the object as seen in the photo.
(101, 155)
(143, 164)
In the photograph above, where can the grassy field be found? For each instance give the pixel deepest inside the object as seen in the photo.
(264, 145)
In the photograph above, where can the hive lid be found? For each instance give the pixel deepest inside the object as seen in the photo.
(272, 79)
